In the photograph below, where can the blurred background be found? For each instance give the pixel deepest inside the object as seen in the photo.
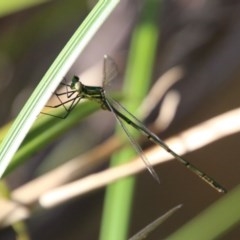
(199, 37)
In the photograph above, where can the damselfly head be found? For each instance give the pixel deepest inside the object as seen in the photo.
(76, 84)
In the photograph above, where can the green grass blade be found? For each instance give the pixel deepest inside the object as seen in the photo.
(39, 137)
(51, 80)
(214, 221)
(9, 7)
(153, 225)
(119, 195)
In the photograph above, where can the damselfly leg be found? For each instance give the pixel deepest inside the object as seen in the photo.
(66, 98)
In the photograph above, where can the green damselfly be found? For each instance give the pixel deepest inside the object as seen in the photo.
(76, 90)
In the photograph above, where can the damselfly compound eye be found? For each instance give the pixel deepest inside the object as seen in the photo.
(75, 84)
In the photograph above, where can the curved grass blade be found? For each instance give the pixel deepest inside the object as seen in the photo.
(51, 80)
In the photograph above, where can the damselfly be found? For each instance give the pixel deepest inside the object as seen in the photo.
(76, 90)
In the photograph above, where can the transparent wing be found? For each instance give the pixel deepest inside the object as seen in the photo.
(110, 70)
(135, 145)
